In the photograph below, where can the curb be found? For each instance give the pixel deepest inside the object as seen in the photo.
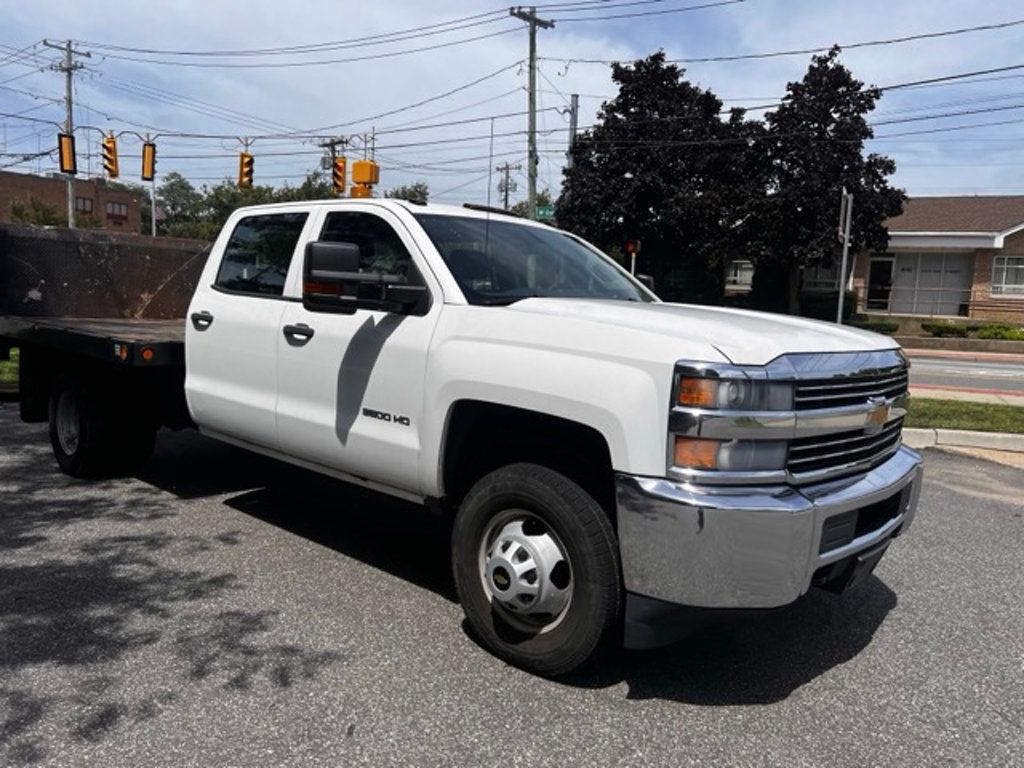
(962, 438)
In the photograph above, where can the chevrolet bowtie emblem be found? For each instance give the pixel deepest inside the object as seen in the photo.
(878, 416)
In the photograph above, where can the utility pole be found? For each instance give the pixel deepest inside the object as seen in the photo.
(68, 67)
(574, 116)
(529, 15)
(506, 184)
(845, 219)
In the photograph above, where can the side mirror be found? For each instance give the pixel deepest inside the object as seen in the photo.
(646, 281)
(332, 282)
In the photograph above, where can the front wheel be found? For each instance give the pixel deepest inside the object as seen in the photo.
(536, 568)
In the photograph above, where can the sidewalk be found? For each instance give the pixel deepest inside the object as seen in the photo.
(970, 357)
(930, 391)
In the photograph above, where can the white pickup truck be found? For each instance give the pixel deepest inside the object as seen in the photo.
(605, 457)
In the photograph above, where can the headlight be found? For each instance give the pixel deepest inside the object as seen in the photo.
(730, 455)
(733, 394)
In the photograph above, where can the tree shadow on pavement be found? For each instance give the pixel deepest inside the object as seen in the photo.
(389, 534)
(98, 580)
(754, 658)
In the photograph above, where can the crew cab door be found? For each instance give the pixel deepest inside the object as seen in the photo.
(234, 323)
(350, 386)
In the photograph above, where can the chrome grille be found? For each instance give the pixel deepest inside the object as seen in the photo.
(812, 394)
(825, 453)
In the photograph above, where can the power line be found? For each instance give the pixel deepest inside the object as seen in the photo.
(607, 17)
(317, 62)
(818, 49)
(421, 31)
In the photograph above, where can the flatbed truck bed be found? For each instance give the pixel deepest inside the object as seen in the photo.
(126, 341)
(118, 379)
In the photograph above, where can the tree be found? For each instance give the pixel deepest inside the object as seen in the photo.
(663, 167)
(815, 148)
(417, 192)
(38, 213)
(180, 201)
(522, 207)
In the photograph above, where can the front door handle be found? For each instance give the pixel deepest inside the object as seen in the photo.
(202, 320)
(298, 334)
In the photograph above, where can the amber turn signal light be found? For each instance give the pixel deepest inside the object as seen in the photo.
(700, 393)
(694, 453)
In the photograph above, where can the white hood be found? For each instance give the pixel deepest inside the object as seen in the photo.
(743, 336)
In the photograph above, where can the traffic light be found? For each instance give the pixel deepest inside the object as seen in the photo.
(365, 173)
(148, 161)
(245, 170)
(338, 176)
(66, 150)
(110, 156)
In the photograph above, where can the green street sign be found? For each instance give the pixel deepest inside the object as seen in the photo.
(545, 212)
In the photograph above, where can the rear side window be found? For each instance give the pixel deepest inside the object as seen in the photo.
(257, 256)
(380, 248)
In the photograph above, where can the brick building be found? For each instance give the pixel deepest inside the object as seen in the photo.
(949, 257)
(114, 208)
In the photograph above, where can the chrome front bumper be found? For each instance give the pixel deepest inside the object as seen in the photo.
(742, 547)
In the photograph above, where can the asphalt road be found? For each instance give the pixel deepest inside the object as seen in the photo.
(964, 374)
(224, 611)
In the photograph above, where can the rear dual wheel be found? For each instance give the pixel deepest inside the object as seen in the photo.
(88, 438)
(537, 571)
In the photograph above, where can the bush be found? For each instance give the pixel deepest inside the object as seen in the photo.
(957, 330)
(1001, 331)
(877, 326)
(822, 306)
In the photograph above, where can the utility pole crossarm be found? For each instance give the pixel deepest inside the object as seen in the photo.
(529, 15)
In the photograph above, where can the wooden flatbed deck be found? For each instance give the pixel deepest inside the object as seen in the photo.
(147, 343)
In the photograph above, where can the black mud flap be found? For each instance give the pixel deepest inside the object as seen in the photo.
(851, 571)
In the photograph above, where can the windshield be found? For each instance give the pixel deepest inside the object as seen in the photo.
(499, 262)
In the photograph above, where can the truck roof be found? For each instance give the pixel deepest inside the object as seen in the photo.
(404, 205)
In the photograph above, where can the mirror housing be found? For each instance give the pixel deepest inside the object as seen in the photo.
(646, 281)
(332, 282)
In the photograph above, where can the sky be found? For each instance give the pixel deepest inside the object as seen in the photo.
(979, 151)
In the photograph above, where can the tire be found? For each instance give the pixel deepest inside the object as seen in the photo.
(87, 439)
(527, 516)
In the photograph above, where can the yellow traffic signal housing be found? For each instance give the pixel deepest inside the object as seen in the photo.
(338, 175)
(66, 150)
(148, 161)
(245, 170)
(365, 172)
(110, 156)
(361, 190)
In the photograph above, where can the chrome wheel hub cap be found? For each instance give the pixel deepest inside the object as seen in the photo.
(67, 423)
(526, 572)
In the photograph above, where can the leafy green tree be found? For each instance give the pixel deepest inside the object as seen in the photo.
(662, 166)
(522, 207)
(181, 203)
(815, 148)
(418, 192)
(316, 186)
(34, 211)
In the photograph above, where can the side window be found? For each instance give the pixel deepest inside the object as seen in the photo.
(257, 256)
(380, 248)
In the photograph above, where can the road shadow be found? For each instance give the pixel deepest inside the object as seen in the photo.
(753, 658)
(397, 537)
(98, 580)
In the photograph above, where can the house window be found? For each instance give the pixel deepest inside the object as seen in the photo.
(821, 278)
(1008, 276)
(83, 204)
(117, 210)
(739, 275)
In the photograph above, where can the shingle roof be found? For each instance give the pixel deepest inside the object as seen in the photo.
(995, 213)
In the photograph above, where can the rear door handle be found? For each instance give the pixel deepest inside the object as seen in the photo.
(300, 333)
(202, 320)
